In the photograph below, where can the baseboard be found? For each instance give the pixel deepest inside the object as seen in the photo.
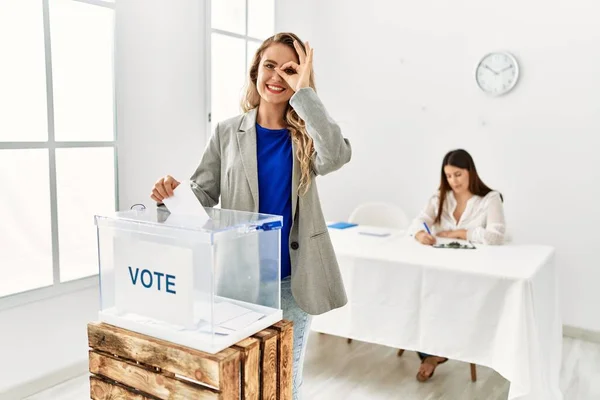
(34, 386)
(582, 334)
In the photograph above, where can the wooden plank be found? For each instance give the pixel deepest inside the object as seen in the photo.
(268, 363)
(473, 373)
(285, 357)
(147, 380)
(101, 389)
(170, 357)
(229, 371)
(250, 357)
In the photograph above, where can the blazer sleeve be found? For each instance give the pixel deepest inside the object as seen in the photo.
(206, 180)
(332, 150)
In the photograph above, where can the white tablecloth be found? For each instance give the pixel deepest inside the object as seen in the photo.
(495, 306)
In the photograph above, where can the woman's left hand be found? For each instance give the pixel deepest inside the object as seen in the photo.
(458, 234)
(297, 76)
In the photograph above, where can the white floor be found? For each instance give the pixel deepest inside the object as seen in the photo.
(337, 370)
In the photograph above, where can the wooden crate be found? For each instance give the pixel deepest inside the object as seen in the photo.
(132, 366)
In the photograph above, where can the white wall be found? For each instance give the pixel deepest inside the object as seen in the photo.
(161, 128)
(161, 110)
(44, 337)
(399, 76)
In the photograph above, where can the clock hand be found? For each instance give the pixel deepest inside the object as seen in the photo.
(507, 68)
(486, 67)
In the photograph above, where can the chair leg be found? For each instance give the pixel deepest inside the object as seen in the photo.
(473, 373)
(349, 340)
(400, 352)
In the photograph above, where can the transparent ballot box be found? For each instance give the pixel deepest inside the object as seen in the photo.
(201, 282)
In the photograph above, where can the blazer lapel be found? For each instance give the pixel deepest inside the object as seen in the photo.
(246, 138)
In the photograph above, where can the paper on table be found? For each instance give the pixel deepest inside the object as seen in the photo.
(242, 321)
(185, 202)
(226, 311)
(204, 327)
(229, 317)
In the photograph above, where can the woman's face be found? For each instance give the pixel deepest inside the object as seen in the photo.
(458, 179)
(271, 87)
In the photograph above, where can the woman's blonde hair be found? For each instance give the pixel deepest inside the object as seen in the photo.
(297, 127)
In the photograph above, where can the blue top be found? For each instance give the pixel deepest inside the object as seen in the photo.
(274, 162)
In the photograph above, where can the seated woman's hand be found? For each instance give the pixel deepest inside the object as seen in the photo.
(425, 238)
(458, 234)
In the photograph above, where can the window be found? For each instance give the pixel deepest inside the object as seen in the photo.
(57, 139)
(238, 27)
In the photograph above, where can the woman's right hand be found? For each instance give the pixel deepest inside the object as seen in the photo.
(163, 188)
(425, 238)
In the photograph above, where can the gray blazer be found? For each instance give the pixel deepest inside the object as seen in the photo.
(228, 170)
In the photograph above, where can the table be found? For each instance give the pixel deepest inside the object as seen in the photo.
(495, 306)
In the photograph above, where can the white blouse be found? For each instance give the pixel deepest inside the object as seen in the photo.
(483, 218)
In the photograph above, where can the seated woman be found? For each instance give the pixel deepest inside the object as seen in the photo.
(463, 208)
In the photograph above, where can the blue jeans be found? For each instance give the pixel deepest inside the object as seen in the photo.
(301, 321)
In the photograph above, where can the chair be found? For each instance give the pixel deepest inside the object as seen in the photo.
(380, 214)
(388, 216)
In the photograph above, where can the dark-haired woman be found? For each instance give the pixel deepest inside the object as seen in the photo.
(463, 208)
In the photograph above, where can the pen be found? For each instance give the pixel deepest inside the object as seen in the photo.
(426, 227)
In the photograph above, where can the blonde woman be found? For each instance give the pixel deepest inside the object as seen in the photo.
(266, 160)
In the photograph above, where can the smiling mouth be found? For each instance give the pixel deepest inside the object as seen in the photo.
(275, 89)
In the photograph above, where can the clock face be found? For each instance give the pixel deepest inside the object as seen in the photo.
(497, 73)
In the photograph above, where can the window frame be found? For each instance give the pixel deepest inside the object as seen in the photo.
(58, 288)
(208, 56)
